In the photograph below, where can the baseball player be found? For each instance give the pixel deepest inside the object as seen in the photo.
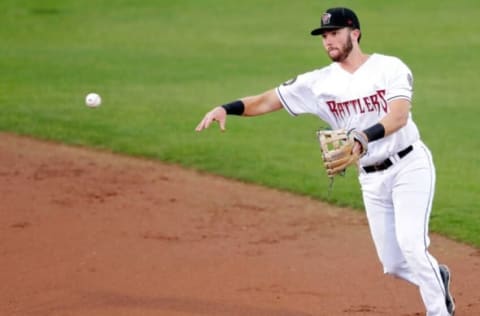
(371, 95)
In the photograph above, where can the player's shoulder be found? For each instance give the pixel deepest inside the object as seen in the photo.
(323, 72)
(387, 60)
(309, 77)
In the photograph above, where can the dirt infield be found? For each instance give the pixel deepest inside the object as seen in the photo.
(84, 232)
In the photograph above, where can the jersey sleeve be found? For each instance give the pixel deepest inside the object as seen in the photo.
(400, 83)
(297, 96)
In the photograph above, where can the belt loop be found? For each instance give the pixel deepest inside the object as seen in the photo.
(395, 158)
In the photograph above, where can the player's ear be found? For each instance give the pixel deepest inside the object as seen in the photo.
(358, 34)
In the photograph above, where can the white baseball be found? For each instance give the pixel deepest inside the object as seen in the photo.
(93, 100)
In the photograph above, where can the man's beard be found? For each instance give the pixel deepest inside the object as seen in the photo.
(344, 51)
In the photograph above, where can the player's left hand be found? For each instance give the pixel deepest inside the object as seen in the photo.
(217, 114)
(341, 149)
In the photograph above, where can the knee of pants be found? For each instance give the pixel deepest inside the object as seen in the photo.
(394, 268)
(411, 247)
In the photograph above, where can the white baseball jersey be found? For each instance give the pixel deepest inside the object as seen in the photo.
(355, 100)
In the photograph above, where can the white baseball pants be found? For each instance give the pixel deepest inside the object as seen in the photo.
(398, 202)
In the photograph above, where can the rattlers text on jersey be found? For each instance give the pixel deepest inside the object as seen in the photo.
(355, 100)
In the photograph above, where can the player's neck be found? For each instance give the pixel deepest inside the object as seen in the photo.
(354, 61)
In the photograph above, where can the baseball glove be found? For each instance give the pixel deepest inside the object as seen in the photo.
(337, 149)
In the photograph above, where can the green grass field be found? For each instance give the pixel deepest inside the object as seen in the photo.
(160, 65)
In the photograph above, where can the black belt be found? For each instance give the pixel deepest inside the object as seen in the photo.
(387, 163)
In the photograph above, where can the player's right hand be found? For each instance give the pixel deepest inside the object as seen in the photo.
(217, 114)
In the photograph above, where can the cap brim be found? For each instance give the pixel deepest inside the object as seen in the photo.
(320, 30)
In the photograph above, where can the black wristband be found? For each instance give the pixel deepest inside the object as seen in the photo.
(375, 132)
(235, 107)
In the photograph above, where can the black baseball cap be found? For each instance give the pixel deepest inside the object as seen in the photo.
(337, 18)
